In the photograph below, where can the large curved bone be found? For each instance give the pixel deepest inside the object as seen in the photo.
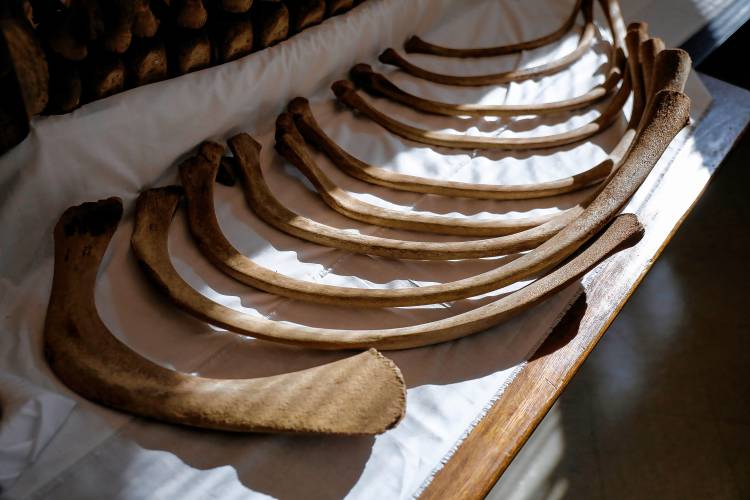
(390, 56)
(378, 85)
(416, 45)
(667, 116)
(363, 394)
(314, 134)
(150, 238)
(347, 93)
(291, 145)
(263, 202)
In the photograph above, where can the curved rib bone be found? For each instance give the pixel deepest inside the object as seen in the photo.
(369, 390)
(314, 134)
(378, 85)
(635, 37)
(155, 212)
(267, 207)
(667, 116)
(415, 45)
(291, 145)
(346, 93)
(390, 56)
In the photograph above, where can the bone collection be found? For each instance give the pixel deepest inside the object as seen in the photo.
(369, 395)
(69, 52)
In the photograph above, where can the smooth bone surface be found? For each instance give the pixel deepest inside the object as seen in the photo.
(390, 56)
(378, 85)
(263, 202)
(347, 94)
(314, 134)
(417, 45)
(291, 145)
(667, 116)
(150, 247)
(362, 394)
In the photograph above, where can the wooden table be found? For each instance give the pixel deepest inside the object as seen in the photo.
(666, 199)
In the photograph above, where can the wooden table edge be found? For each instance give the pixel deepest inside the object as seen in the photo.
(491, 446)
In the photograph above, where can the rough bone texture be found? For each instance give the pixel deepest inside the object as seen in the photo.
(369, 393)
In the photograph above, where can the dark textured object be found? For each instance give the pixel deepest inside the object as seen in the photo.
(270, 22)
(24, 77)
(305, 13)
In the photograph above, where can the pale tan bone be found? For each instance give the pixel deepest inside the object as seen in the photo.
(378, 85)
(314, 134)
(260, 198)
(390, 56)
(150, 246)
(291, 145)
(347, 94)
(363, 394)
(674, 63)
(667, 116)
(416, 45)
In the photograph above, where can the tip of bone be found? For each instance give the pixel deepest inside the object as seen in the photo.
(244, 140)
(342, 87)
(630, 227)
(93, 218)
(638, 26)
(298, 105)
(284, 125)
(414, 45)
(389, 56)
(362, 75)
(211, 151)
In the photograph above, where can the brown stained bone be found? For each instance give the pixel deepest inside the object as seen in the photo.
(647, 53)
(65, 86)
(315, 135)
(191, 51)
(305, 13)
(235, 6)
(26, 64)
(263, 202)
(667, 116)
(636, 35)
(118, 21)
(347, 94)
(615, 21)
(270, 22)
(233, 36)
(291, 145)
(191, 14)
(336, 7)
(103, 75)
(416, 45)
(362, 394)
(61, 36)
(147, 61)
(197, 176)
(390, 56)
(150, 241)
(145, 23)
(378, 85)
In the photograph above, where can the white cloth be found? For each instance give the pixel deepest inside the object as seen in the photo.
(123, 144)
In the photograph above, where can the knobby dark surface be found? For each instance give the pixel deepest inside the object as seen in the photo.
(661, 409)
